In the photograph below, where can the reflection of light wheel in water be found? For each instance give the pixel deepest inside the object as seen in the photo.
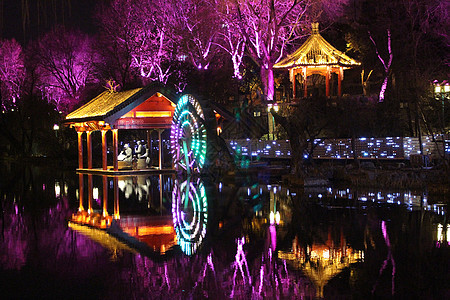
(188, 135)
(190, 214)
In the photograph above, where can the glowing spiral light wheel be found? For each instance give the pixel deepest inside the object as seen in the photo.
(188, 135)
(190, 214)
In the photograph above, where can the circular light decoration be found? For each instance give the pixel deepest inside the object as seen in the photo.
(188, 135)
(190, 214)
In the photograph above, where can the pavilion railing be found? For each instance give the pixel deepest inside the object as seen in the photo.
(366, 148)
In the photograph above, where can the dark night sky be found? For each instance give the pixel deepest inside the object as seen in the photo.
(51, 13)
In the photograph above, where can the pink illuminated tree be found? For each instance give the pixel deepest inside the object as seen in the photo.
(12, 73)
(150, 42)
(137, 34)
(232, 41)
(386, 64)
(196, 25)
(268, 26)
(65, 65)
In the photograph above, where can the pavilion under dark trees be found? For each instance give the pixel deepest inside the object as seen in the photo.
(316, 56)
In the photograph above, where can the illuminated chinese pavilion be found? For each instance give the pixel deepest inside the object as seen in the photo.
(316, 56)
(142, 108)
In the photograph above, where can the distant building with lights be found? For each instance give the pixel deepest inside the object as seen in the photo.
(316, 56)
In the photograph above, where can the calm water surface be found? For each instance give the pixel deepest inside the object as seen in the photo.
(161, 236)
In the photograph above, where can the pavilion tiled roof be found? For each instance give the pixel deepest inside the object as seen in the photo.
(316, 51)
(109, 106)
(104, 104)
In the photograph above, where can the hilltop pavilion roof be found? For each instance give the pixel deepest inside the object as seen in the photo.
(316, 51)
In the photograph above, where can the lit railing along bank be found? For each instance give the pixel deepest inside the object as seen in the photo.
(367, 148)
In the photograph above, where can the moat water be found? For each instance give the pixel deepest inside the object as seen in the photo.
(191, 238)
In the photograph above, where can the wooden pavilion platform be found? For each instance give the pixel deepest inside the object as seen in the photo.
(122, 172)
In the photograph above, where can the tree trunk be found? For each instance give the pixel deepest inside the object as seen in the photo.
(297, 141)
(267, 80)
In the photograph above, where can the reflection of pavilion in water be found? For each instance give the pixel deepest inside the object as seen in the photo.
(320, 262)
(186, 226)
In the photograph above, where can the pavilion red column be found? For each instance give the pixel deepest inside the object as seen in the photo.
(90, 193)
(89, 148)
(115, 148)
(116, 198)
(160, 193)
(327, 82)
(80, 149)
(81, 191)
(149, 137)
(305, 83)
(105, 196)
(292, 74)
(104, 145)
(160, 149)
(340, 77)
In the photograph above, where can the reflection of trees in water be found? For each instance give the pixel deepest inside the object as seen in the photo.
(35, 239)
(25, 192)
(210, 276)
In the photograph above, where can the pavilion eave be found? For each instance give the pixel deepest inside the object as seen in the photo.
(309, 65)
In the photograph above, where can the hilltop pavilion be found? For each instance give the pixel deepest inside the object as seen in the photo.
(316, 56)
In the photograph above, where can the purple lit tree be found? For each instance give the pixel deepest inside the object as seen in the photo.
(386, 64)
(268, 26)
(139, 36)
(12, 73)
(16, 115)
(196, 25)
(65, 65)
(230, 40)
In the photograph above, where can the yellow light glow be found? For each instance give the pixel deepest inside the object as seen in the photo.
(437, 89)
(148, 230)
(439, 233)
(272, 218)
(275, 107)
(128, 115)
(153, 114)
(448, 233)
(277, 218)
(447, 88)
(57, 189)
(326, 254)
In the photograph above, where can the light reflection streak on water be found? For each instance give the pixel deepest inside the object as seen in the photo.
(413, 201)
(262, 277)
(388, 259)
(239, 263)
